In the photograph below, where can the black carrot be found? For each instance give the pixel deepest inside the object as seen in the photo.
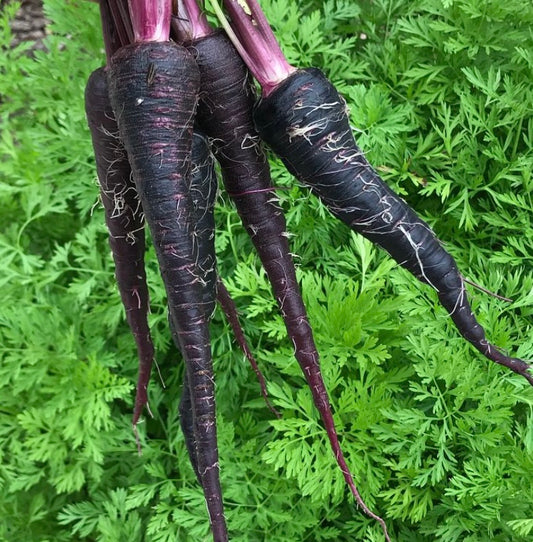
(154, 87)
(202, 190)
(224, 114)
(201, 193)
(304, 120)
(125, 222)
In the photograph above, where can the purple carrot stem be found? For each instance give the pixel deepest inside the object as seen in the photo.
(126, 19)
(121, 24)
(266, 60)
(150, 19)
(112, 39)
(269, 68)
(260, 20)
(188, 21)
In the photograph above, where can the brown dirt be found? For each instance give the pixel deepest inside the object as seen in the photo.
(29, 23)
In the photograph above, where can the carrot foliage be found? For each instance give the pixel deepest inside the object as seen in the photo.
(441, 438)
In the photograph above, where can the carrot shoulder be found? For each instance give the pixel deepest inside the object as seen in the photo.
(305, 122)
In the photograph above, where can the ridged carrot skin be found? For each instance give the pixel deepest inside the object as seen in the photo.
(304, 120)
(202, 191)
(125, 222)
(154, 88)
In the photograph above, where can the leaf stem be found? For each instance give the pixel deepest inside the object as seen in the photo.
(254, 40)
(110, 32)
(150, 19)
(121, 18)
(188, 21)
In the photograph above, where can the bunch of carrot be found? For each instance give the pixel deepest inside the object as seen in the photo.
(176, 90)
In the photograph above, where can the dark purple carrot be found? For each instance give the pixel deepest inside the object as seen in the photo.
(304, 120)
(125, 222)
(154, 87)
(123, 211)
(225, 114)
(202, 191)
(214, 54)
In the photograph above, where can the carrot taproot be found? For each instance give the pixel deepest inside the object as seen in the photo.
(125, 223)
(304, 120)
(319, 150)
(154, 87)
(201, 193)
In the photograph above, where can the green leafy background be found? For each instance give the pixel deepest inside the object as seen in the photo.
(440, 440)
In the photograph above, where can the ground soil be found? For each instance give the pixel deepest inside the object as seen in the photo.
(29, 23)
